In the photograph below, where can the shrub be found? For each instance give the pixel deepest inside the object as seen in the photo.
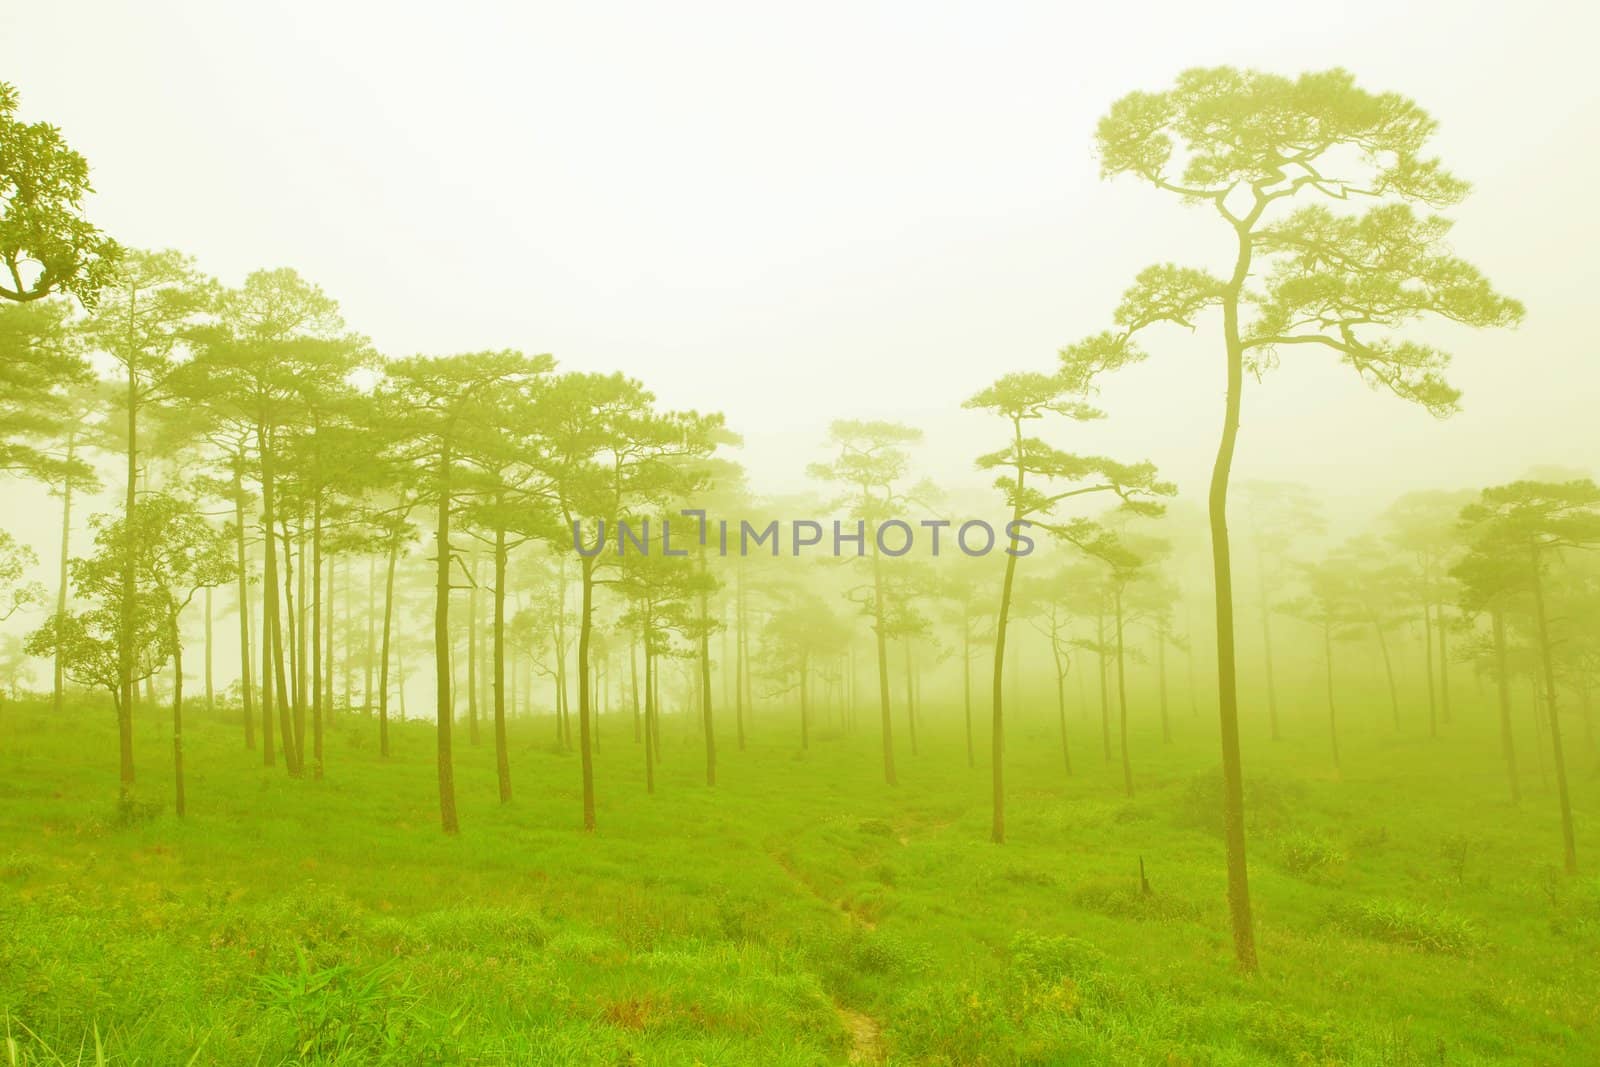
(1412, 925)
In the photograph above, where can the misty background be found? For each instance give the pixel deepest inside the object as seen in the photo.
(846, 211)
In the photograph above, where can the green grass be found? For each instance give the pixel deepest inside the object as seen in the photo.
(799, 913)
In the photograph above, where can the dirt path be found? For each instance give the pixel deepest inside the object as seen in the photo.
(866, 1043)
(866, 1037)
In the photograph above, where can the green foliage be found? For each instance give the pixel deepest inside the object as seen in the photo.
(46, 244)
(1413, 925)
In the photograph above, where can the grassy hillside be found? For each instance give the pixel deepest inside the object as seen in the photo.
(801, 912)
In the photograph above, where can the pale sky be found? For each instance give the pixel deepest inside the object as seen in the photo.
(801, 213)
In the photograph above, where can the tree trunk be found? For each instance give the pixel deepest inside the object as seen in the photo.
(739, 654)
(705, 680)
(1122, 700)
(441, 652)
(1388, 672)
(1444, 664)
(911, 699)
(805, 711)
(58, 692)
(245, 679)
(1244, 944)
(125, 635)
(883, 661)
(272, 649)
(1502, 677)
(1105, 692)
(383, 661)
(366, 663)
(1333, 722)
(1061, 700)
(585, 628)
(1569, 847)
(966, 682)
(1161, 683)
(211, 700)
(177, 717)
(633, 679)
(502, 757)
(316, 632)
(472, 657)
(649, 720)
(1427, 657)
(997, 830)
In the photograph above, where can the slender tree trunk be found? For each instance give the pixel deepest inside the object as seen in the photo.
(441, 651)
(125, 636)
(649, 719)
(1161, 682)
(1244, 944)
(472, 657)
(997, 831)
(366, 663)
(177, 718)
(585, 629)
(1569, 847)
(883, 661)
(805, 711)
(739, 653)
(245, 679)
(1061, 700)
(1122, 700)
(383, 661)
(1388, 672)
(1333, 722)
(316, 632)
(330, 598)
(267, 728)
(1502, 677)
(1105, 691)
(211, 700)
(1444, 663)
(633, 679)
(273, 648)
(966, 682)
(502, 756)
(1427, 656)
(58, 692)
(705, 680)
(911, 699)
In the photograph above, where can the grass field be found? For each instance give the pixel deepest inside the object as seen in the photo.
(801, 912)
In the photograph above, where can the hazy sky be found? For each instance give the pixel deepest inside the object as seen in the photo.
(794, 214)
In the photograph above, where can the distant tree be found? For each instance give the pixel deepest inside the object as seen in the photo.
(93, 643)
(17, 591)
(179, 554)
(797, 638)
(1035, 477)
(1492, 582)
(143, 321)
(1423, 525)
(1281, 516)
(41, 369)
(1251, 143)
(1329, 603)
(870, 465)
(1374, 579)
(1535, 523)
(274, 339)
(440, 403)
(45, 242)
(610, 454)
